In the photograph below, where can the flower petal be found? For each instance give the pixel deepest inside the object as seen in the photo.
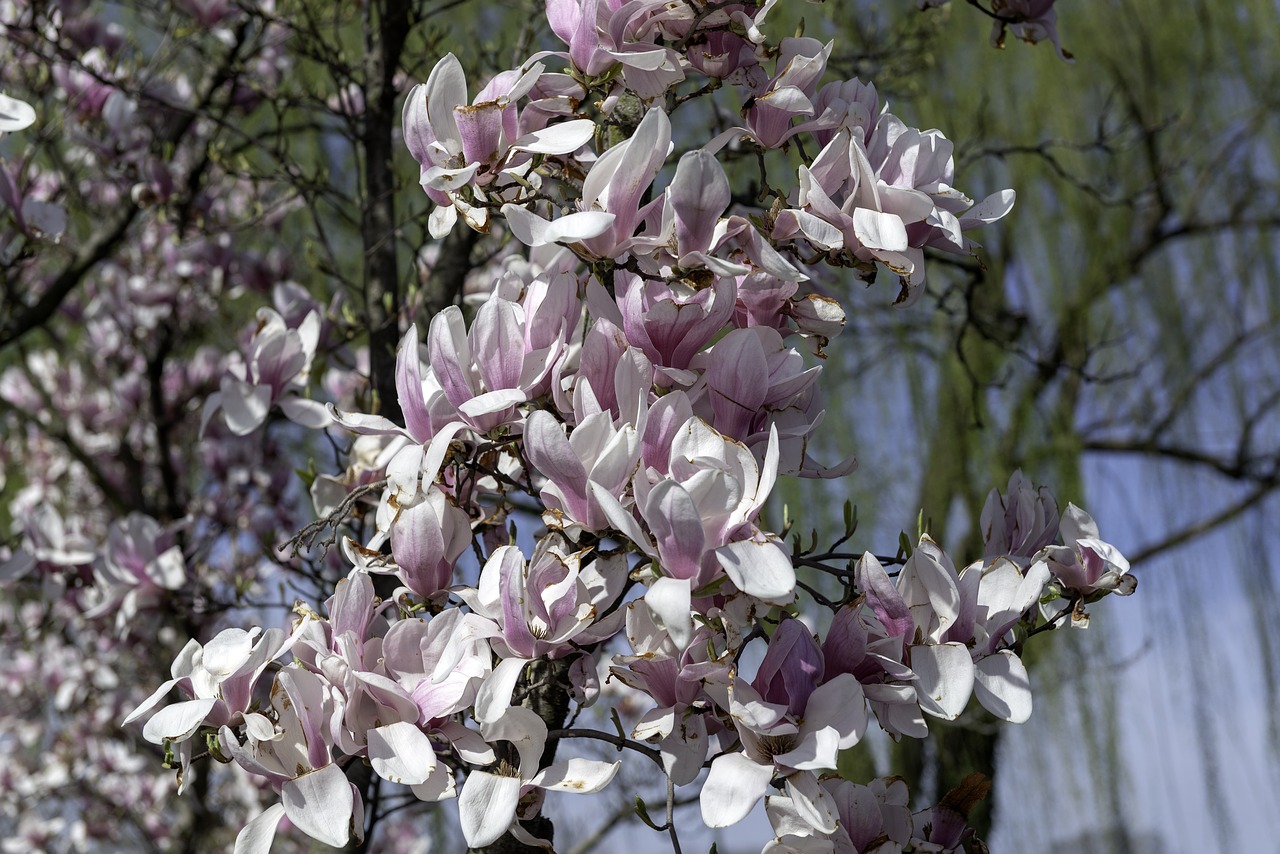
(734, 785)
(320, 803)
(487, 806)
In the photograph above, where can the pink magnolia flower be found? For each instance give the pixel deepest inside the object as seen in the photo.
(490, 800)
(538, 608)
(275, 371)
(595, 452)
(139, 562)
(603, 33)
(427, 537)
(790, 723)
(1030, 20)
(464, 148)
(1085, 563)
(1020, 522)
(699, 520)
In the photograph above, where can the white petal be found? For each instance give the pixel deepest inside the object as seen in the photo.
(177, 722)
(945, 674)
(580, 776)
(494, 697)
(149, 703)
(401, 753)
(876, 230)
(561, 138)
(439, 786)
(812, 802)
(734, 785)
(1003, 687)
(487, 806)
(320, 804)
(256, 836)
(669, 599)
(759, 569)
(15, 114)
(532, 230)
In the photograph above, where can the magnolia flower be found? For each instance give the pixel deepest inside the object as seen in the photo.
(136, 566)
(1031, 20)
(1084, 563)
(489, 802)
(790, 723)
(274, 371)
(700, 518)
(595, 452)
(537, 608)
(1020, 522)
(599, 34)
(469, 147)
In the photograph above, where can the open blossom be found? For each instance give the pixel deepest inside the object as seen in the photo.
(464, 148)
(791, 723)
(490, 799)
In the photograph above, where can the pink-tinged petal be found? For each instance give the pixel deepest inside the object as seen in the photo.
(513, 596)
(551, 453)
(698, 194)
(563, 16)
(487, 806)
(646, 151)
(676, 523)
(620, 518)
(409, 387)
(760, 569)
(562, 138)
(321, 804)
(532, 230)
(1003, 687)
(945, 678)
(480, 128)
(416, 126)
(352, 605)
(451, 355)
(497, 336)
(401, 753)
(446, 88)
(669, 599)
(256, 836)
(579, 776)
(736, 365)
(177, 722)
(883, 597)
(734, 785)
(812, 802)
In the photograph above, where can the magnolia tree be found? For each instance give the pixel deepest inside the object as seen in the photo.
(550, 536)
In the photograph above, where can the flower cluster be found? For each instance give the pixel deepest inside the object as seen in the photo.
(635, 379)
